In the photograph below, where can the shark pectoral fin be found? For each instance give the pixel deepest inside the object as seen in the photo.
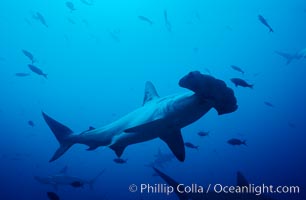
(241, 180)
(153, 125)
(118, 149)
(150, 92)
(175, 142)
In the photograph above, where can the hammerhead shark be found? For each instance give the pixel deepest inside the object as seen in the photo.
(211, 195)
(159, 117)
(292, 56)
(61, 178)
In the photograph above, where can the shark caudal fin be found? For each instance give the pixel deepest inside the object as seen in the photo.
(210, 88)
(61, 133)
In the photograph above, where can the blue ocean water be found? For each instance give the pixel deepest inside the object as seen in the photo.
(97, 59)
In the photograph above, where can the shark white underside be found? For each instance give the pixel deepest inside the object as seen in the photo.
(158, 117)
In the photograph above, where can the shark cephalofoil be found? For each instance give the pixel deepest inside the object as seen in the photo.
(159, 117)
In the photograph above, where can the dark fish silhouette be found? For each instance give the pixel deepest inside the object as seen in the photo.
(241, 82)
(190, 145)
(77, 184)
(269, 104)
(167, 22)
(29, 55)
(238, 69)
(53, 196)
(120, 160)
(115, 35)
(31, 123)
(71, 21)
(88, 2)
(264, 22)
(203, 133)
(39, 17)
(21, 74)
(145, 19)
(235, 141)
(37, 70)
(70, 5)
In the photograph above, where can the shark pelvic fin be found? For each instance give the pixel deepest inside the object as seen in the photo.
(150, 93)
(175, 142)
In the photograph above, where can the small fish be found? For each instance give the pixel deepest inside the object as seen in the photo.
(77, 184)
(238, 69)
(115, 35)
(190, 145)
(145, 19)
(264, 22)
(167, 22)
(31, 123)
(88, 2)
(208, 71)
(70, 5)
(21, 74)
(235, 141)
(269, 104)
(53, 196)
(37, 70)
(71, 21)
(203, 133)
(29, 55)
(38, 16)
(120, 160)
(241, 82)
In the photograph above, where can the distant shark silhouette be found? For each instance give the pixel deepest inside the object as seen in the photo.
(241, 181)
(161, 159)
(290, 56)
(62, 178)
(158, 118)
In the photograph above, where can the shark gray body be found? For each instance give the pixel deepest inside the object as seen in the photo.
(211, 195)
(62, 179)
(159, 117)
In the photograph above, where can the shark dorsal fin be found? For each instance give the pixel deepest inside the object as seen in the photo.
(64, 170)
(150, 92)
(170, 181)
(241, 180)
